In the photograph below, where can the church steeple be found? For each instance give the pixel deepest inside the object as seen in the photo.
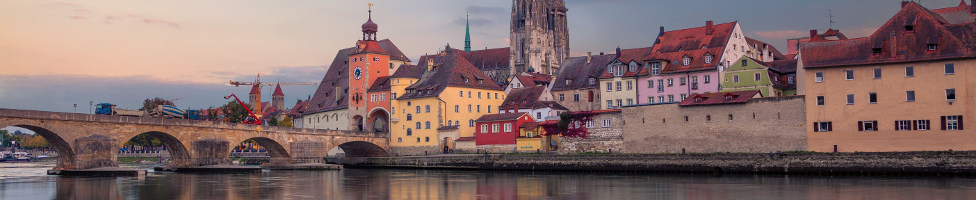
(467, 34)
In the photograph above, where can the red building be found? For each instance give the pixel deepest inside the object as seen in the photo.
(500, 129)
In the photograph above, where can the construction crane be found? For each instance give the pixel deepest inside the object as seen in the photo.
(258, 82)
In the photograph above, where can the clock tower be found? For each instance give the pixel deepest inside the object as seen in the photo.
(367, 65)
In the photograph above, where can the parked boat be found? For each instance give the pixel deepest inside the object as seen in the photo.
(17, 157)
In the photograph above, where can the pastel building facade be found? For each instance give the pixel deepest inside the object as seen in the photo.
(618, 81)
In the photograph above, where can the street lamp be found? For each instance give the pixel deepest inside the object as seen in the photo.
(76, 108)
(90, 104)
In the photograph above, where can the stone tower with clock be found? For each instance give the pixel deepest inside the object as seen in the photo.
(367, 66)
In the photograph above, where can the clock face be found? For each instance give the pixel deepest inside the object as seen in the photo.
(358, 73)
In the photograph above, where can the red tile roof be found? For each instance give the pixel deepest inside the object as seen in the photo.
(579, 71)
(675, 60)
(694, 43)
(720, 98)
(626, 56)
(896, 45)
(549, 104)
(299, 108)
(529, 125)
(381, 84)
(370, 46)
(522, 97)
(958, 15)
(337, 77)
(452, 70)
(500, 117)
(256, 89)
(277, 91)
(393, 51)
(533, 79)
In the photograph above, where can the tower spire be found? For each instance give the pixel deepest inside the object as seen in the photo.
(467, 33)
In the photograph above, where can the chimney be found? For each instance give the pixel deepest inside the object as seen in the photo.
(601, 53)
(813, 33)
(708, 27)
(618, 51)
(904, 3)
(972, 8)
(589, 57)
(661, 32)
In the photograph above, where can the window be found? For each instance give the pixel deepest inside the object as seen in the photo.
(606, 123)
(873, 98)
(426, 139)
(609, 103)
(950, 94)
(630, 85)
(758, 77)
(576, 97)
(409, 117)
(592, 81)
(686, 61)
(708, 118)
(909, 71)
(496, 95)
(660, 99)
(470, 123)
(418, 139)
(620, 103)
(790, 79)
(735, 78)
(469, 107)
(427, 125)
(745, 63)
(684, 96)
(479, 108)
(682, 80)
(730, 117)
(450, 123)
(650, 99)
(479, 95)
(952, 122)
(819, 77)
(372, 98)
(933, 47)
(589, 124)
(538, 115)
(461, 93)
(650, 83)
(489, 108)
(877, 73)
(822, 126)
(562, 97)
(609, 86)
(820, 100)
(910, 96)
(670, 82)
(708, 78)
(867, 126)
(630, 102)
(656, 68)
(849, 74)
(660, 85)
(427, 108)
(484, 128)
(903, 125)
(670, 98)
(950, 69)
(921, 124)
(409, 132)
(469, 93)
(393, 96)
(419, 125)
(619, 88)
(457, 108)
(708, 58)
(850, 99)
(418, 109)
(401, 139)
(508, 127)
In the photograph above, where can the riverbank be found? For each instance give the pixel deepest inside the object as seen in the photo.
(928, 163)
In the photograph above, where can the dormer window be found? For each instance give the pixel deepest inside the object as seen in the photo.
(876, 51)
(465, 80)
(633, 67)
(728, 98)
(933, 47)
(592, 81)
(656, 68)
(686, 61)
(708, 59)
(569, 81)
(698, 100)
(481, 82)
(745, 62)
(703, 47)
(910, 28)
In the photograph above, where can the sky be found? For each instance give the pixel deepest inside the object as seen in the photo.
(55, 54)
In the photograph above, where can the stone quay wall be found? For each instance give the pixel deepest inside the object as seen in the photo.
(762, 125)
(933, 163)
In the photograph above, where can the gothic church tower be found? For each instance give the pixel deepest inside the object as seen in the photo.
(539, 36)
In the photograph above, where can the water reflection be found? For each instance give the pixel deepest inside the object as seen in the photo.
(462, 185)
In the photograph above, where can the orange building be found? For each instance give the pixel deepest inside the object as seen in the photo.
(908, 87)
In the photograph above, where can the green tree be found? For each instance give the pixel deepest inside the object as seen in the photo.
(273, 121)
(150, 104)
(234, 112)
(286, 122)
(144, 140)
(212, 114)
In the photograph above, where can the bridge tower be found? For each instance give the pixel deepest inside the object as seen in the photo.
(368, 79)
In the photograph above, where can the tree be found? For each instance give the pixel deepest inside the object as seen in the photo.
(212, 114)
(234, 112)
(273, 121)
(35, 141)
(150, 104)
(144, 140)
(571, 125)
(286, 122)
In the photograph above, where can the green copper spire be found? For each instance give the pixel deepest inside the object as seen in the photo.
(467, 34)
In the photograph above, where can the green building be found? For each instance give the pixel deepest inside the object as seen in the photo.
(777, 78)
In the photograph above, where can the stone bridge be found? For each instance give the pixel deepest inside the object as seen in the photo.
(91, 141)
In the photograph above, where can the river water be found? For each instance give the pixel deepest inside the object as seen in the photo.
(28, 181)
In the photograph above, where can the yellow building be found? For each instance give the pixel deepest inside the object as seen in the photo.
(531, 138)
(442, 91)
(907, 87)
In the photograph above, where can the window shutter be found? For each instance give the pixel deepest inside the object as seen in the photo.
(876, 127)
(914, 124)
(928, 124)
(816, 128)
(897, 128)
(860, 125)
(943, 123)
(960, 122)
(830, 126)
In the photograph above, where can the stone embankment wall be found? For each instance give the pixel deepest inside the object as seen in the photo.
(762, 125)
(760, 163)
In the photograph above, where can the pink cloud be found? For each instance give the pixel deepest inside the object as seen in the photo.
(81, 10)
(781, 34)
(77, 17)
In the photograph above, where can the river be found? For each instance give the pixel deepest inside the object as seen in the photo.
(28, 181)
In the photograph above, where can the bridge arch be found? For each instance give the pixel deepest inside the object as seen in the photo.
(177, 151)
(66, 155)
(278, 153)
(379, 120)
(362, 149)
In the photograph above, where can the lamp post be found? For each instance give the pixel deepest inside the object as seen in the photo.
(76, 108)
(90, 104)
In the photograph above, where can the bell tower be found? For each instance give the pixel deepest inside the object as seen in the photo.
(539, 36)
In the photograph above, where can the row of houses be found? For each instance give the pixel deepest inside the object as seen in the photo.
(906, 87)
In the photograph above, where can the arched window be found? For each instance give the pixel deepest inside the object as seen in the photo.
(427, 125)
(409, 132)
(401, 139)
(418, 139)
(450, 123)
(457, 108)
(409, 117)
(426, 139)
(456, 122)
(418, 109)
(418, 126)
(427, 108)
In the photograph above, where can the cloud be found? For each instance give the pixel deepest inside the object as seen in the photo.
(484, 10)
(781, 34)
(77, 17)
(149, 20)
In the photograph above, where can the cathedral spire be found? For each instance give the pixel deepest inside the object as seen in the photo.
(467, 34)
